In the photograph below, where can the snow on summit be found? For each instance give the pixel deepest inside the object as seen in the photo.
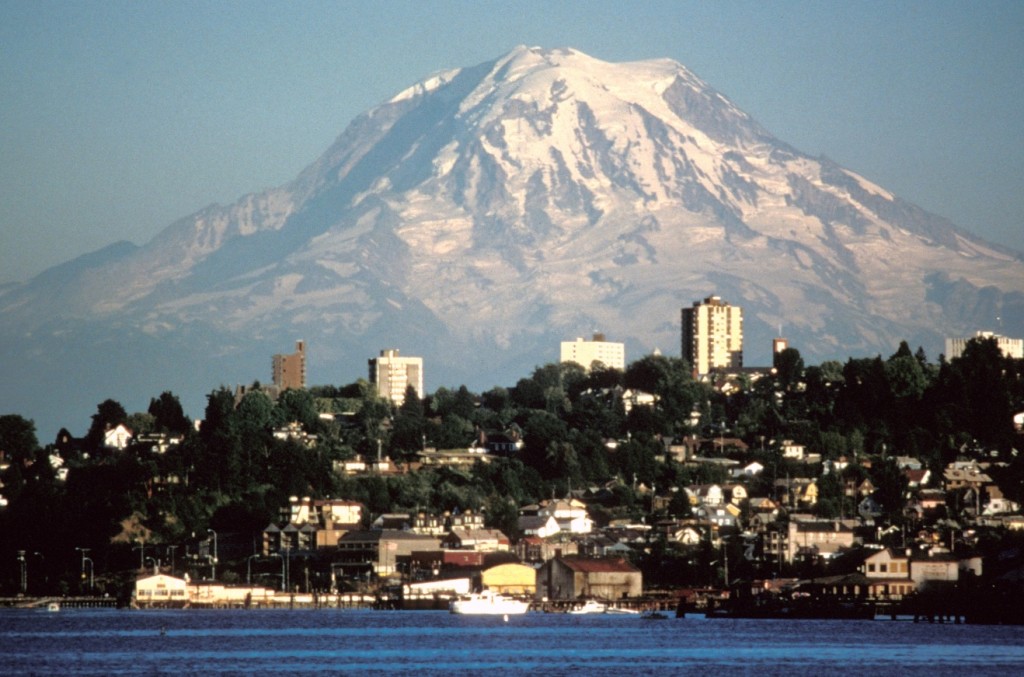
(489, 211)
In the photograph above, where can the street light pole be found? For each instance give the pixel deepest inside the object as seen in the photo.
(248, 569)
(84, 560)
(24, 571)
(141, 547)
(213, 562)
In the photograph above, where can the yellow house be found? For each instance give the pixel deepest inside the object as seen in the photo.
(510, 579)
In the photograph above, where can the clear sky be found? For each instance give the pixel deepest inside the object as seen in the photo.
(117, 118)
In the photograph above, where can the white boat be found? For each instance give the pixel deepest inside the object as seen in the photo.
(53, 606)
(487, 603)
(590, 607)
(622, 610)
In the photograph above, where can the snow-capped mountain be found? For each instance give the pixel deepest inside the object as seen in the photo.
(486, 213)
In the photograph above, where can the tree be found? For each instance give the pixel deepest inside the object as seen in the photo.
(297, 405)
(890, 487)
(168, 414)
(18, 438)
(221, 466)
(409, 426)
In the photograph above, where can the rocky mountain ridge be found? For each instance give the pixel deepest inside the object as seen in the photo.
(486, 213)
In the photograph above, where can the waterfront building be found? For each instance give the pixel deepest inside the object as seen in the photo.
(712, 335)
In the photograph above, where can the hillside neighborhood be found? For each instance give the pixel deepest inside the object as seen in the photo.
(879, 480)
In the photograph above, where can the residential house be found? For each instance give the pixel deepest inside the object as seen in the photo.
(686, 534)
(309, 524)
(797, 491)
(888, 574)
(118, 437)
(752, 469)
(964, 476)
(917, 478)
(574, 577)
(812, 539)
(481, 540)
(737, 493)
(725, 516)
(791, 450)
(293, 431)
(570, 514)
(708, 494)
(499, 442)
(932, 502)
(452, 458)
(537, 525)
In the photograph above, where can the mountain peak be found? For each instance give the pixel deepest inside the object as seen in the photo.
(487, 212)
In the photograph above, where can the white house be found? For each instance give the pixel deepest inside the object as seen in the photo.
(161, 590)
(571, 515)
(118, 437)
(709, 494)
(536, 525)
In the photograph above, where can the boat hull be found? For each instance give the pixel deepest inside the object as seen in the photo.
(488, 605)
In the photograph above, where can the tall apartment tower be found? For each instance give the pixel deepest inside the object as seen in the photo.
(713, 335)
(391, 374)
(289, 371)
(585, 353)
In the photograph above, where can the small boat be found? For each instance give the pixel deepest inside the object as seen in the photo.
(591, 606)
(53, 606)
(622, 610)
(487, 603)
(653, 616)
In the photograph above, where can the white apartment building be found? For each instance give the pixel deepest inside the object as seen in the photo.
(1010, 347)
(391, 374)
(585, 353)
(712, 335)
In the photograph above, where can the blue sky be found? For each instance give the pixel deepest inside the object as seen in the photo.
(117, 118)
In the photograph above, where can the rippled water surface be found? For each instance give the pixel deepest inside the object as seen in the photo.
(422, 643)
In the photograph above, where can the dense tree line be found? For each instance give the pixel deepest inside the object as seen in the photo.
(233, 474)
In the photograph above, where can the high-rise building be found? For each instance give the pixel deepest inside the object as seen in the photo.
(585, 353)
(712, 335)
(289, 371)
(1009, 347)
(391, 375)
(779, 345)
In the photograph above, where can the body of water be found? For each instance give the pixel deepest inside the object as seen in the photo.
(424, 643)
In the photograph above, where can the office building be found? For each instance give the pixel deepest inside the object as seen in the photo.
(712, 332)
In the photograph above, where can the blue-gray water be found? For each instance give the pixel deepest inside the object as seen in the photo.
(110, 642)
